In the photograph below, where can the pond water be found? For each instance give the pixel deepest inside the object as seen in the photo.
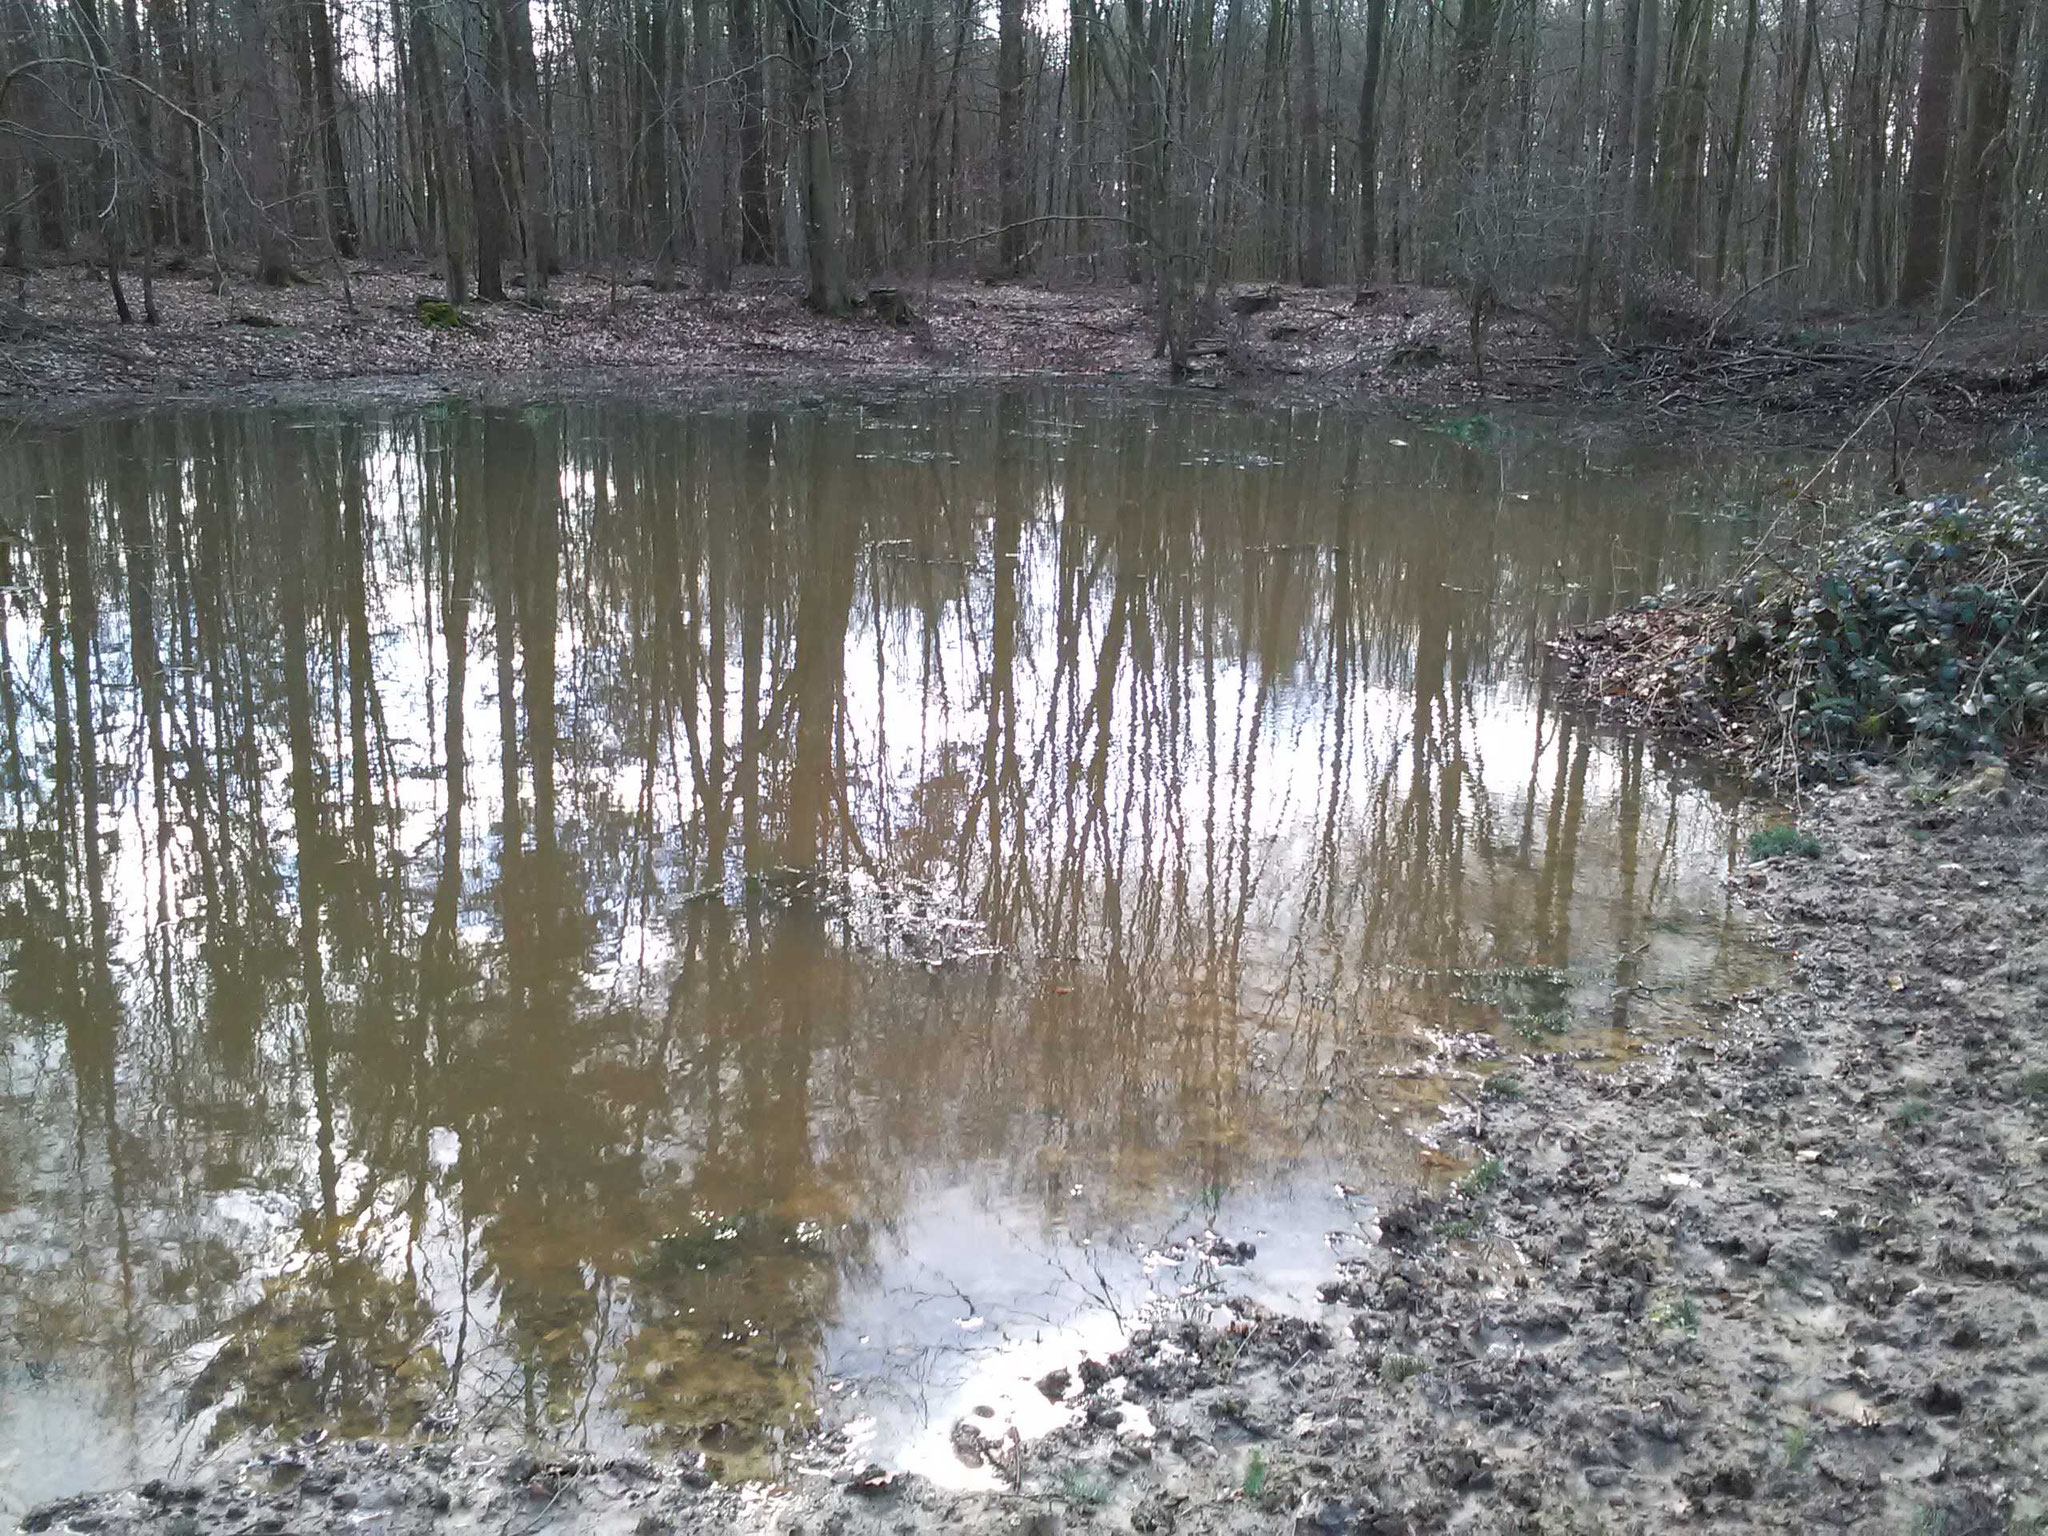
(656, 926)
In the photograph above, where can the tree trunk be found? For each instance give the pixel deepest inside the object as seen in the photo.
(824, 253)
(1642, 157)
(483, 119)
(1791, 140)
(1736, 149)
(1013, 244)
(1369, 140)
(1927, 173)
(174, 62)
(450, 197)
(1139, 143)
(1471, 58)
(757, 231)
(1216, 248)
(525, 147)
(141, 219)
(711, 166)
(327, 108)
(1315, 170)
(1981, 186)
(1595, 182)
(663, 200)
(264, 178)
(1681, 148)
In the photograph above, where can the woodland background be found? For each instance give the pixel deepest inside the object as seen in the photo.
(1616, 156)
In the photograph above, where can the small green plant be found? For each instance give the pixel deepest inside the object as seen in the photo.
(1921, 630)
(1798, 1447)
(2034, 1085)
(1459, 1229)
(1484, 1179)
(1396, 1369)
(1914, 1112)
(1502, 1085)
(1078, 1485)
(1781, 839)
(1682, 1314)
(1532, 1000)
(440, 315)
(1255, 1475)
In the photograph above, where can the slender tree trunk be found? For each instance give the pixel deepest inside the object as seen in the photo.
(110, 143)
(1369, 140)
(1216, 248)
(17, 52)
(1595, 182)
(663, 200)
(1642, 157)
(1081, 68)
(1927, 173)
(174, 67)
(450, 196)
(711, 166)
(28, 106)
(1013, 245)
(1736, 150)
(1981, 185)
(264, 177)
(1682, 144)
(1877, 216)
(1471, 66)
(1791, 137)
(327, 108)
(1315, 170)
(483, 119)
(1140, 143)
(140, 118)
(810, 48)
(526, 146)
(757, 234)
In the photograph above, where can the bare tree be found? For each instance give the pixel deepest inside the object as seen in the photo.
(1933, 134)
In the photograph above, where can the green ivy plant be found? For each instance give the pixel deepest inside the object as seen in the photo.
(1924, 630)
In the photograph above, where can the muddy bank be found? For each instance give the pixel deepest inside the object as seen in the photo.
(1392, 341)
(1787, 1275)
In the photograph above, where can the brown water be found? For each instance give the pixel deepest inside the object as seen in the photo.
(654, 927)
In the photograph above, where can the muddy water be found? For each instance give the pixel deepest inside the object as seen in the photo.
(654, 928)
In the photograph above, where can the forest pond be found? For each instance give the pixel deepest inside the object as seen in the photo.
(655, 927)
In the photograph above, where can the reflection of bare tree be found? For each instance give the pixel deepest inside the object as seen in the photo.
(498, 974)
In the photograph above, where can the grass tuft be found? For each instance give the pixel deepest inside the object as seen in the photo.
(1396, 1369)
(1682, 1314)
(1781, 839)
(440, 315)
(1484, 1179)
(1255, 1475)
(1078, 1485)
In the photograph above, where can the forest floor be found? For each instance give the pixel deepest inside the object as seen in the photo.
(60, 345)
(1790, 1273)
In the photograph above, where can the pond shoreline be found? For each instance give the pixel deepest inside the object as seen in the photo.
(1814, 378)
(1786, 1274)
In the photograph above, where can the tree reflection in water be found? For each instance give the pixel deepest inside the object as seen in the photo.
(407, 1021)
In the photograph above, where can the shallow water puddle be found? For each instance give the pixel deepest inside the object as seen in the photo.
(643, 927)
